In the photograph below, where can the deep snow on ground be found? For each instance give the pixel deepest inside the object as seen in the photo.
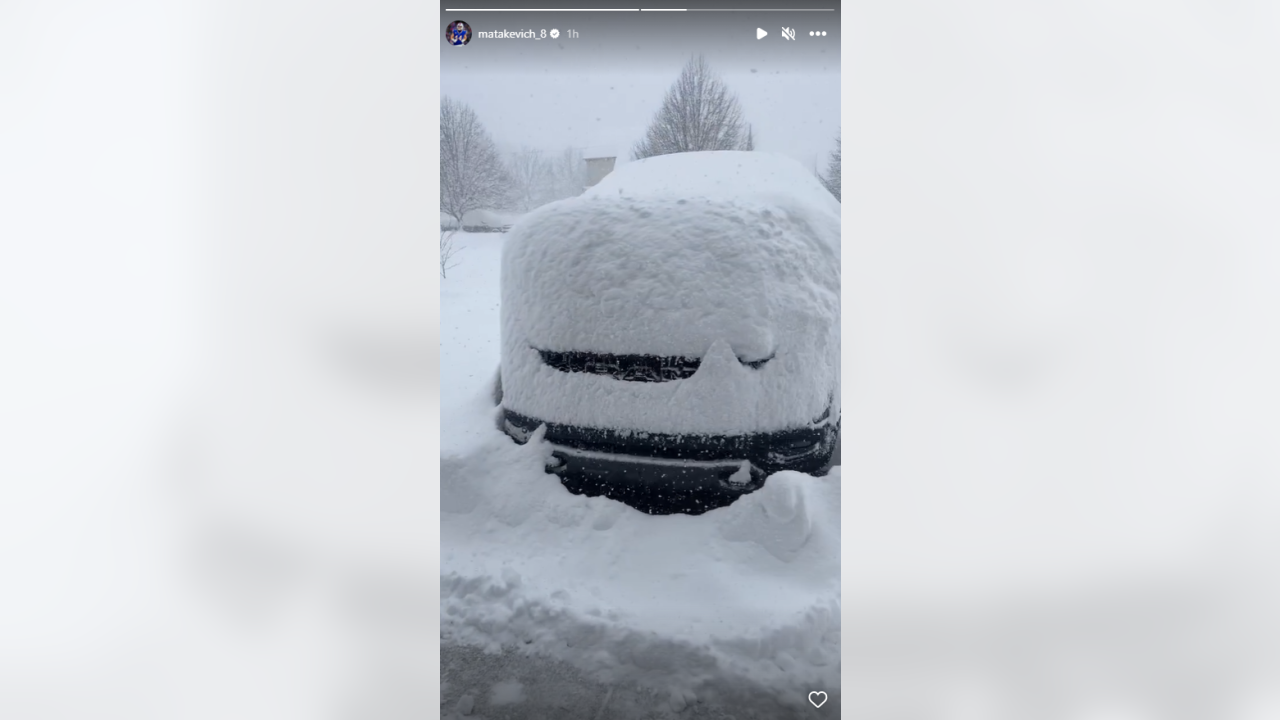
(737, 608)
(469, 352)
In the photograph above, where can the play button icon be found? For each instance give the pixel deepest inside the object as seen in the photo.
(760, 32)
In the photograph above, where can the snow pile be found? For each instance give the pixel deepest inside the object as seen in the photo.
(740, 604)
(728, 257)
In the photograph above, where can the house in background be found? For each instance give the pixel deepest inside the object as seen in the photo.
(606, 150)
(600, 162)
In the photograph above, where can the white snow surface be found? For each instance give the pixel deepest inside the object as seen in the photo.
(723, 256)
(739, 606)
(741, 601)
(767, 177)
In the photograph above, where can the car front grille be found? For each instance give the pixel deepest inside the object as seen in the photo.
(632, 368)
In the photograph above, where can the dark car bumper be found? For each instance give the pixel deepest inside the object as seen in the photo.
(663, 474)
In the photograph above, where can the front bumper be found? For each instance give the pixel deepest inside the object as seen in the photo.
(664, 474)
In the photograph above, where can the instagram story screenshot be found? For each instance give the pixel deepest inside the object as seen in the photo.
(640, 361)
(604, 453)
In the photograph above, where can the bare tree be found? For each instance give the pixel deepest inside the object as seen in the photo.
(750, 142)
(698, 113)
(471, 172)
(447, 251)
(570, 172)
(832, 179)
(532, 179)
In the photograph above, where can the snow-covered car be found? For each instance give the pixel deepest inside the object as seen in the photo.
(676, 328)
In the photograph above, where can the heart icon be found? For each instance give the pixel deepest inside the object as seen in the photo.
(818, 698)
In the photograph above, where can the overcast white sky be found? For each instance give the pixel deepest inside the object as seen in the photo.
(793, 113)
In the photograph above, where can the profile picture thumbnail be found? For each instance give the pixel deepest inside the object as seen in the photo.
(458, 33)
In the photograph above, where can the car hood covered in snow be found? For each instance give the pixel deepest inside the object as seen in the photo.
(764, 177)
(728, 258)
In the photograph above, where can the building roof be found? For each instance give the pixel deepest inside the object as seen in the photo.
(601, 151)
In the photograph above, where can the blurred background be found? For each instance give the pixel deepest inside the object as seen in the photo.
(1061, 284)
(220, 357)
(218, 384)
(97, 291)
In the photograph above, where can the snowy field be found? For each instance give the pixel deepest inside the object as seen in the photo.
(557, 605)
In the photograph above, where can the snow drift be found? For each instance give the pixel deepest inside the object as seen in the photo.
(740, 605)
